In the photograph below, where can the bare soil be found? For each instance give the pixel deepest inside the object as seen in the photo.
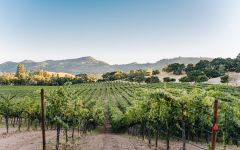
(109, 142)
(25, 140)
(32, 140)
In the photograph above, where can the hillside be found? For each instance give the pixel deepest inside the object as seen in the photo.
(91, 65)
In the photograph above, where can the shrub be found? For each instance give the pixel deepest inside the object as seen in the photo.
(212, 73)
(152, 79)
(156, 72)
(176, 68)
(148, 72)
(193, 75)
(225, 79)
(185, 79)
(168, 79)
(201, 78)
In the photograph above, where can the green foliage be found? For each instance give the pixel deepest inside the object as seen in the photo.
(202, 65)
(168, 79)
(133, 75)
(176, 68)
(170, 107)
(7, 79)
(6, 105)
(190, 67)
(216, 62)
(148, 72)
(41, 77)
(185, 79)
(156, 107)
(137, 76)
(21, 72)
(205, 69)
(225, 79)
(196, 76)
(117, 117)
(152, 79)
(212, 73)
(156, 72)
(116, 75)
(201, 78)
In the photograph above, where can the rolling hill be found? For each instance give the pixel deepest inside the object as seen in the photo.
(91, 65)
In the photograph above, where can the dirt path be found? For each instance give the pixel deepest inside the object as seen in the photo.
(108, 141)
(25, 140)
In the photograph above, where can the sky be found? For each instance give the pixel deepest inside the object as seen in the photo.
(118, 31)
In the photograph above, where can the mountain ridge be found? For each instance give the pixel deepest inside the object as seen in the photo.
(89, 64)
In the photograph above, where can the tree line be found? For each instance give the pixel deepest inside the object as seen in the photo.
(199, 72)
(204, 69)
(41, 77)
(148, 76)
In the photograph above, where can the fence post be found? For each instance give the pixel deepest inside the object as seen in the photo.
(214, 126)
(43, 120)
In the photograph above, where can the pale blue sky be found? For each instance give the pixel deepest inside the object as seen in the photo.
(118, 31)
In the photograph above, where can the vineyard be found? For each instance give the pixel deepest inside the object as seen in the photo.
(163, 115)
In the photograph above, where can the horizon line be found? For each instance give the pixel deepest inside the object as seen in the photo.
(134, 62)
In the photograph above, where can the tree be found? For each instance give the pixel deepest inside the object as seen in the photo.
(152, 79)
(92, 78)
(112, 76)
(119, 75)
(7, 79)
(83, 76)
(201, 78)
(202, 65)
(21, 72)
(109, 76)
(222, 69)
(137, 76)
(225, 79)
(193, 75)
(168, 79)
(156, 72)
(223, 65)
(185, 79)
(237, 63)
(148, 72)
(190, 67)
(238, 57)
(212, 73)
(176, 68)
(216, 62)
(230, 65)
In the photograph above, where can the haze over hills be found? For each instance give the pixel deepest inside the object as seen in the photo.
(91, 65)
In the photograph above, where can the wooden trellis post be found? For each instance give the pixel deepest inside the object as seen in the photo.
(43, 120)
(215, 126)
